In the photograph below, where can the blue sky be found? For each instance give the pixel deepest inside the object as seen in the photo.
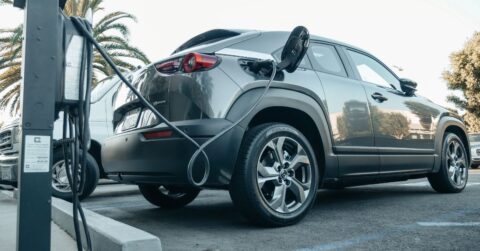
(417, 35)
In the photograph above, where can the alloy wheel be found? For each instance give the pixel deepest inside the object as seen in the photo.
(284, 174)
(60, 179)
(171, 192)
(456, 164)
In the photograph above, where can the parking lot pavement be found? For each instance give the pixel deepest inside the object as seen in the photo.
(392, 216)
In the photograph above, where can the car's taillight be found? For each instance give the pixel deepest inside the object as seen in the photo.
(158, 135)
(192, 62)
(197, 62)
(170, 66)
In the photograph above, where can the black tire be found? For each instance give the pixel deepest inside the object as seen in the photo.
(91, 178)
(253, 196)
(453, 167)
(168, 197)
(474, 166)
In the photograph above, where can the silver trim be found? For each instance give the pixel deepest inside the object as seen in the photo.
(244, 53)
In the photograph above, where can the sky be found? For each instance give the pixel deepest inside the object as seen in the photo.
(415, 35)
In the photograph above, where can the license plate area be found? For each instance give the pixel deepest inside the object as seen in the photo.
(131, 119)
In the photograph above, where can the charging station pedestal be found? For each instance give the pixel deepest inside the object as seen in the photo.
(40, 58)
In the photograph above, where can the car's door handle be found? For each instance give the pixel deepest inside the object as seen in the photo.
(379, 97)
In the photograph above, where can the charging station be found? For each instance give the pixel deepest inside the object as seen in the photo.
(55, 77)
(40, 49)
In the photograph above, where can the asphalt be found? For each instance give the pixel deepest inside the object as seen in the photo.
(392, 216)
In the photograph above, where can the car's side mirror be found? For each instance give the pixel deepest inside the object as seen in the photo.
(408, 86)
(295, 49)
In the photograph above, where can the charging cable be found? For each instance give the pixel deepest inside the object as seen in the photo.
(200, 148)
(76, 122)
(224, 131)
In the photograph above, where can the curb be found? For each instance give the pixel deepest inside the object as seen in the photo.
(10, 194)
(106, 233)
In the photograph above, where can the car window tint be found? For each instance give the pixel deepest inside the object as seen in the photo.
(327, 59)
(372, 71)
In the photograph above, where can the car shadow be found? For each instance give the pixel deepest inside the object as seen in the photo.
(214, 208)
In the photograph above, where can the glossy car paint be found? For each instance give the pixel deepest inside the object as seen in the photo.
(361, 151)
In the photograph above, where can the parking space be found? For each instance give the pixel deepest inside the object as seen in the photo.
(393, 216)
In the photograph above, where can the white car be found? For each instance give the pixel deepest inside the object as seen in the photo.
(475, 149)
(100, 126)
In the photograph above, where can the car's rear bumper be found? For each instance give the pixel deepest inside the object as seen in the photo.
(475, 161)
(8, 169)
(130, 158)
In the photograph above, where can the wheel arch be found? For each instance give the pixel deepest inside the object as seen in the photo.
(296, 109)
(96, 152)
(446, 125)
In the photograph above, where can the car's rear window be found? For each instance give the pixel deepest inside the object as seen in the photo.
(207, 38)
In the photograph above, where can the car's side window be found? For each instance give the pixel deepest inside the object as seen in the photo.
(372, 71)
(327, 59)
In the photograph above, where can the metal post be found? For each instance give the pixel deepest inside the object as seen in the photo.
(40, 46)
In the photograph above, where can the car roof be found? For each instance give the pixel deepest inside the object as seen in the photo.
(250, 40)
(312, 37)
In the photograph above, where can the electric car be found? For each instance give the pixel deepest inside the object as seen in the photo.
(343, 118)
(100, 127)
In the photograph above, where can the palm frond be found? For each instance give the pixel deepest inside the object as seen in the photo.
(110, 31)
(121, 28)
(5, 2)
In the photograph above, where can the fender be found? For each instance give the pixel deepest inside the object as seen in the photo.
(278, 97)
(443, 123)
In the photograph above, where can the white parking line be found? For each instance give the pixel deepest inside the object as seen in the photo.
(449, 224)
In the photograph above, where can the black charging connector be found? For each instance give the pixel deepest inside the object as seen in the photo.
(263, 67)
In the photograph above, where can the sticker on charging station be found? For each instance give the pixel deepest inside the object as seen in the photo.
(37, 154)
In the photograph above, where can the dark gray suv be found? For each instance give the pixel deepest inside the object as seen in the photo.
(341, 119)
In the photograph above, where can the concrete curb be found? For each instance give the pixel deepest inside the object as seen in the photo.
(10, 193)
(106, 233)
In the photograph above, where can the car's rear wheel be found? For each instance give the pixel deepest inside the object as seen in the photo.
(60, 185)
(276, 177)
(474, 166)
(168, 197)
(453, 174)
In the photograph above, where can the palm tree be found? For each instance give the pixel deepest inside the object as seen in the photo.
(110, 31)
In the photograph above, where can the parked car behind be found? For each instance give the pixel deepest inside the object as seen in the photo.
(475, 149)
(100, 126)
(341, 119)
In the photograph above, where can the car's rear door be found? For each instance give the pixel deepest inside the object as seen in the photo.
(404, 126)
(348, 112)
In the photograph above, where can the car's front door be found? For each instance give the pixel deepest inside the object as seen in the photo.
(404, 126)
(348, 112)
